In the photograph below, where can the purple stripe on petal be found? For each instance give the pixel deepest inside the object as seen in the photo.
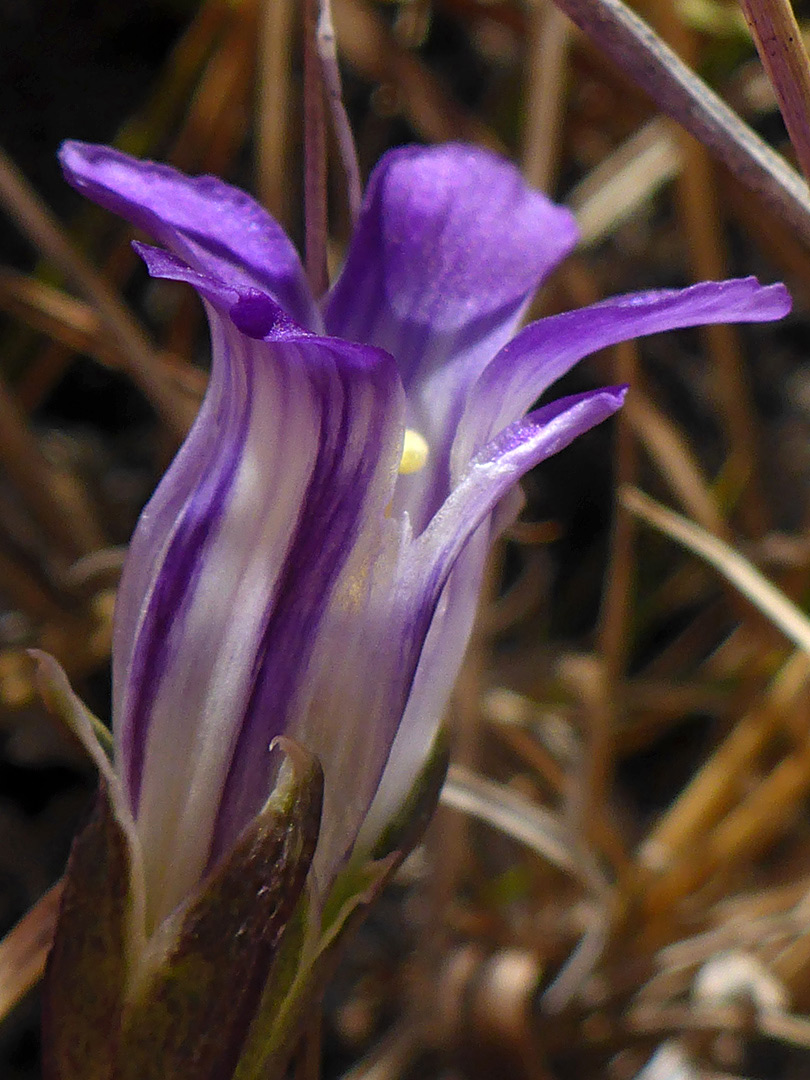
(546, 350)
(448, 559)
(201, 456)
(352, 478)
(216, 228)
(439, 661)
(200, 699)
(160, 633)
(155, 528)
(406, 643)
(310, 433)
(444, 569)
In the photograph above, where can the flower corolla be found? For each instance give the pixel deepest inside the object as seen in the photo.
(309, 565)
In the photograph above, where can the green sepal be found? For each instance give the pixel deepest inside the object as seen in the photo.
(290, 998)
(287, 1003)
(87, 967)
(69, 710)
(404, 831)
(262, 1041)
(192, 1010)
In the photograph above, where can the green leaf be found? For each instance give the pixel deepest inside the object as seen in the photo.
(192, 1012)
(87, 967)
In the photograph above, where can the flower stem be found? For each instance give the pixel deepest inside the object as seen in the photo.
(315, 221)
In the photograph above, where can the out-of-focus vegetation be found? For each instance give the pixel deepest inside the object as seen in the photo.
(619, 884)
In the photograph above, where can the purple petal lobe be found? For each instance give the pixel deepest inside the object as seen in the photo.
(498, 466)
(450, 244)
(217, 229)
(252, 312)
(162, 264)
(547, 349)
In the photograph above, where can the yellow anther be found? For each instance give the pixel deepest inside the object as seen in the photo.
(414, 453)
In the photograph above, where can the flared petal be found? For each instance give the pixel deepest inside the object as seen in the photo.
(251, 311)
(546, 350)
(216, 228)
(446, 564)
(282, 483)
(498, 466)
(450, 245)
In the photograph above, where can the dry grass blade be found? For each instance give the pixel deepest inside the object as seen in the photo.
(368, 45)
(24, 950)
(152, 125)
(26, 591)
(61, 510)
(44, 231)
(782, 51)
(274, 105)
(625, 180)
(733, 566)
(340, 118)
(787, 1028)
(389, 1060)
(515, 816)
(548, 57)
(543, 833)
(630, 43)
(47, 308)
(700, 210)
(781, 244)
(672, 456)
(614, 619)
(676, 1018)
(716, 786)
(315, 166)
(213, 128)
(76, 325)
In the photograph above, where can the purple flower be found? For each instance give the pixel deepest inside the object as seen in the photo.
(295, 572)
